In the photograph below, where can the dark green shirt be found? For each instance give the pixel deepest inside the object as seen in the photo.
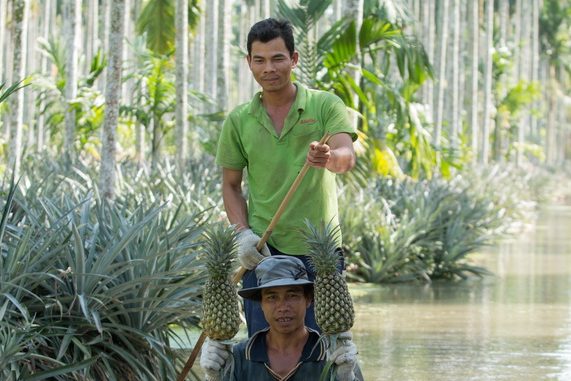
(251, 362)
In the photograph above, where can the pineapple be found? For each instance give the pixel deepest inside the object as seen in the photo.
(220, 310)
(334, 311)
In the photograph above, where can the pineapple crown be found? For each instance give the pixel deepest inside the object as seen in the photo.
(220, 250)
(322, 245)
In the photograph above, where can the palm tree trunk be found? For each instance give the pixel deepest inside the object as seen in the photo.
(441, 77)
(524, 66)
(211, 47)
(474, 60)
(244, 76)
(8, 73)
(427, 24)
(550, 143)
(488, 82)
(354, 10)
(253, 17)
(517, 76)
(455, 126)
(73, 20)
(129, 30)
(20, 14)
(46, 23)
(92, 32)
(535, 60)
(199, 57)
(105, 21)
(501, 119)
(33, 66)
(265, 9)
(337, 9)
(563, 130)
(156, 129)
(3, 14)
(140, 137)
(181, 57)
(112, 98)
(223, 54)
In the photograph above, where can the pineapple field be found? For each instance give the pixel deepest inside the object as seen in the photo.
(97, 289)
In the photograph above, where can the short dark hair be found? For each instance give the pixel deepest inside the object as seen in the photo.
(268, 29)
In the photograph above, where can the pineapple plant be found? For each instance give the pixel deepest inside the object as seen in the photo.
(334, 311)
(220, 309)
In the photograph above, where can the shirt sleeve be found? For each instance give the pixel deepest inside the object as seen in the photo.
(336, 117)
(229, 153)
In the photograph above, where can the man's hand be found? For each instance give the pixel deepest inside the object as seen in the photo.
(318, 155)
(248, 256)
(213, 358)
(345, 357)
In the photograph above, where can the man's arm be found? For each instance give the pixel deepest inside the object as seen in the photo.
(234, 201)
(337, 155)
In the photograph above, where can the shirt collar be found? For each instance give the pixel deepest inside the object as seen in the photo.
(299, 103)
(314, 349)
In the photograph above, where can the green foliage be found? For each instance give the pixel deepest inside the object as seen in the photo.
(554, 24)
(5, 93)
(520, 96)
(397, 231)
(88, 105)
(157, 23)
(330, 62)
(304, 16)
(90, 288)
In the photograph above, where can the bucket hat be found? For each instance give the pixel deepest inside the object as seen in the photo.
(275, 271)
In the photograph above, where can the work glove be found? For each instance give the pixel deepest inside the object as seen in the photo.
(248, 256)
(345, 357)
(213, 358)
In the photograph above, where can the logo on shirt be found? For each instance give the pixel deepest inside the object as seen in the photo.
(307, 121)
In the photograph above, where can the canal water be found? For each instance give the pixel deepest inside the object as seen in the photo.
(515, 325)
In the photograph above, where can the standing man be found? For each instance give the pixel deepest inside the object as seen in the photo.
(287, 350)
(272, 137)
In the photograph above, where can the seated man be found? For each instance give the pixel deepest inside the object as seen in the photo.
(287, 349)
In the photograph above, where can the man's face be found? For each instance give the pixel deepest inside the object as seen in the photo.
(284, 308)
(271, 64)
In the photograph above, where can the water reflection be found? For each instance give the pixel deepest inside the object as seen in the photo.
(515, 325)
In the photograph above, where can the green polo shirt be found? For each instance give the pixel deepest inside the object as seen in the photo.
(249, 140)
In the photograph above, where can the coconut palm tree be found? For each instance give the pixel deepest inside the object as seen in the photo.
(72, 32)
(223, 54)
(442, 60)
(211, 42)
(112, 98)
(474, 30)
(181, 58)
(487, 118)
(20, 9)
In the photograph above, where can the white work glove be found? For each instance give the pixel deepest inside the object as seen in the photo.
(345, 357)
(213, 358)
(248, 256)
